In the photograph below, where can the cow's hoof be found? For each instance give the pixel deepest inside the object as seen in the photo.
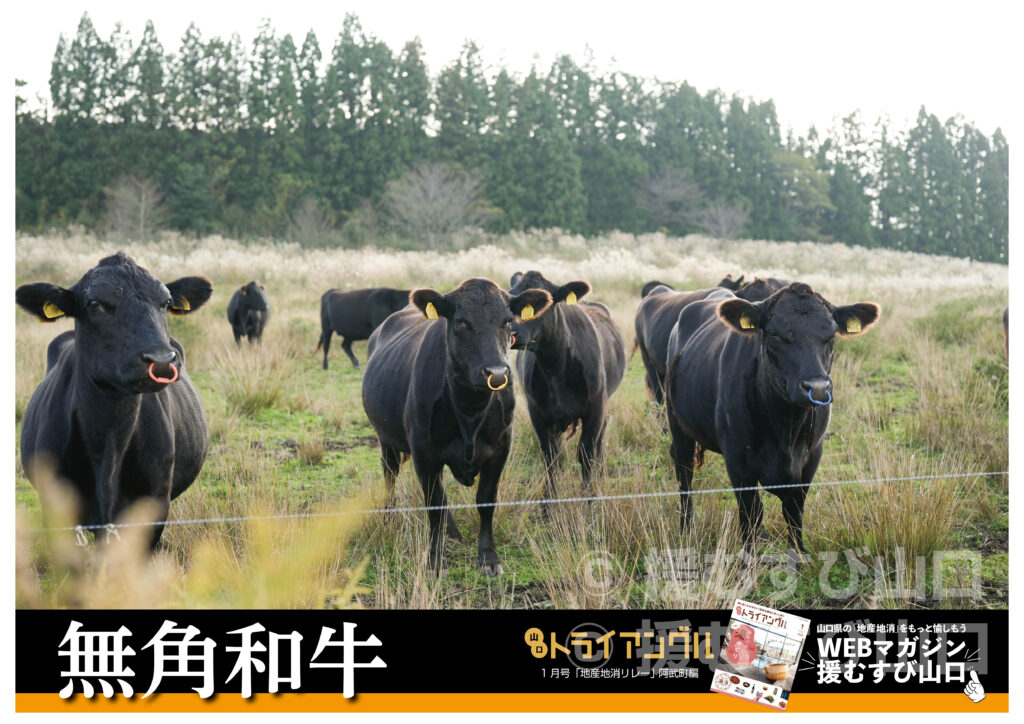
(491, 569)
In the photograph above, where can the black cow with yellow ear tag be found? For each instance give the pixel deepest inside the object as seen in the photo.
(249, 312)
(116, 415)
(751, 381)
(573, 360)
(438, 386)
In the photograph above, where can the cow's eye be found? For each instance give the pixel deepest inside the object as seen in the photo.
(460, 325)
(94, 305)
(167, 303)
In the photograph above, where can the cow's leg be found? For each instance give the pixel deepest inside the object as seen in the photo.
(589, 450)
(751, 511)
(486, 495)
(346, 344)
(453, 529)
(793, 500)
(654, 384)
(238, 337)
(682, 449)
(430, 475)
(550, 439)
(793, 513)
(325, 342)
(391, 463)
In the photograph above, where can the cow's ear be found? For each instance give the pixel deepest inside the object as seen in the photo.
(740, 315)
(431, 303)
(571, 293)
(855, 319)
(189, 293)
(530, 304)
(515, 279)
(242, 290)
(47, 301)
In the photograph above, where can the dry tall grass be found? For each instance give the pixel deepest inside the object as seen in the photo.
(913, 397)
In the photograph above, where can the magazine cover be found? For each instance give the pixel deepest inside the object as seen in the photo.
(759, 656)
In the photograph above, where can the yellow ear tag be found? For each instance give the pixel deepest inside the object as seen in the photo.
(52, 311)
(853, 326)
(526, 314)
(181, 307)
(570, 298)
(431, 311)
(244, 293)
(745, 322)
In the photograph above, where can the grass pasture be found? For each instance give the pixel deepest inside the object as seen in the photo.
(293, 460)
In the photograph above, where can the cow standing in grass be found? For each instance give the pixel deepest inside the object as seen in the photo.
(354, 315)
(437, 386)
(751, 381)
(248, 312)
(116, 414)
(574, 360)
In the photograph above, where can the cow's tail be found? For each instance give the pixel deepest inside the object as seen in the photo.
(636, 346)
(698, 457)
(320, 344)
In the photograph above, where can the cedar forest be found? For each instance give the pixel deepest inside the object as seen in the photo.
(271, 141)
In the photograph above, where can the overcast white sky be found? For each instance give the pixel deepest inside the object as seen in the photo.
(817, 60)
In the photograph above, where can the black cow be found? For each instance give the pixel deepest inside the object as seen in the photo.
(656, 316)
(355, 314)
(441, 391)
(574, 361)
(116, 413)
(248, 312)
(751, 381)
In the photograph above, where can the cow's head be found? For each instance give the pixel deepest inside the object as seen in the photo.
(757, 290)
(479, 318)
(731, 284)
(795, 328)
(529, 332)
(120, 312)
(254, 296)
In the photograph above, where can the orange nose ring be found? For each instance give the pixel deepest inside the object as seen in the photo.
(163, 380)
(502, 386)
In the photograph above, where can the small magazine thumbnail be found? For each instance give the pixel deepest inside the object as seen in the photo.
(759, 655)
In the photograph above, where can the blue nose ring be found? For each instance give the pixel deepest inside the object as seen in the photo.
(810, 396)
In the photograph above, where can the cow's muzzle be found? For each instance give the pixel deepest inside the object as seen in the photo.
(163, 363)
(819, 391)
(497, 377)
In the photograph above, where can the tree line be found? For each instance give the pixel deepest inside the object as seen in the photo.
(269, 140)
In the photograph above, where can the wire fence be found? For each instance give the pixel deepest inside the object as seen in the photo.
(111, 528)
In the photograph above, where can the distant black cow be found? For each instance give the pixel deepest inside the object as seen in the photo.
(440, 388)
(751, 381)
(355, 314)
(574, 361)
(656, 316)
(248, 312)
(116, 413)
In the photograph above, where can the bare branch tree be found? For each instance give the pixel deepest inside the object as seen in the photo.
(134, 208)
(722, 220)
(672, 198)
(310, 223)
(432, 201)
